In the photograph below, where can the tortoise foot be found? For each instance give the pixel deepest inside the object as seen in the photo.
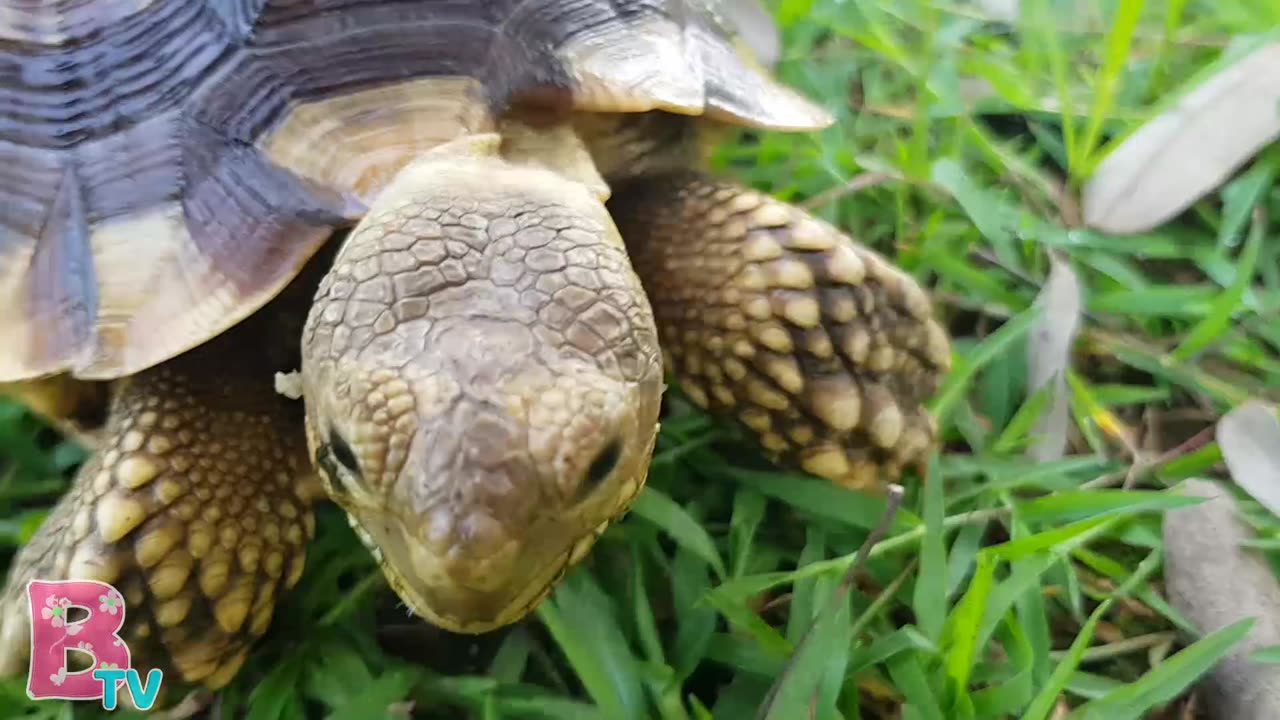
(823, 350)
(193, 507)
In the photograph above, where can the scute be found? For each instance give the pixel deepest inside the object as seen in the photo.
(167, 166)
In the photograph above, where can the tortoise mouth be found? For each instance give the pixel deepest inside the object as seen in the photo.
(419, 575)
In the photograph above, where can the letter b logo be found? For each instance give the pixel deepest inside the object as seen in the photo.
(53, 636)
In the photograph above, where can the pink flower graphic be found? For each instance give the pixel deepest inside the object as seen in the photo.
(55, 611)
(59, 677)
(110, 602)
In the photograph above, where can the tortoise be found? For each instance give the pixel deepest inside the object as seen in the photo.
(432, 261)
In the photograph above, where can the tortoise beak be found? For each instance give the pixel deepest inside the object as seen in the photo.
(468, 592)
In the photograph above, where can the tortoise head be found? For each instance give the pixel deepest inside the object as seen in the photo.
(482, 381)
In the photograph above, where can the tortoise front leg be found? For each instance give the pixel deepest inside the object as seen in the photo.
(194, 506)
(822, 349)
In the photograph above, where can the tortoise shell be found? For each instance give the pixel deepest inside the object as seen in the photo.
(167, 166)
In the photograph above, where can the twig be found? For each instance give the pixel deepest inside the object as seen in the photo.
(886, 519)
(1120, 647)
(856, 183)
(1144, 464)
(972, 517)
(193, 703)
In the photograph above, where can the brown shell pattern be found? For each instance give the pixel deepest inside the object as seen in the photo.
(166, 166)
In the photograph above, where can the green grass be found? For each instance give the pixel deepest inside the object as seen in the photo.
(1005, 587)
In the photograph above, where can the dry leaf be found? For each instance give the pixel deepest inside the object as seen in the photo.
(753, 24)
(1249, 436)
(1188, 150)
(1214, 582)
(1049, 357)
(1002, 10)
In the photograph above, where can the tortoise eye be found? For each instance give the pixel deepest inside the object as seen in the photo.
(342, 453)
(604, 464)
(339, 461)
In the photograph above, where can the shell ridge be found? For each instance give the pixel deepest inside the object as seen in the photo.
(62, 293)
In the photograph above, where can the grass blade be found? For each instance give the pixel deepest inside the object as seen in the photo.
(1168, 679)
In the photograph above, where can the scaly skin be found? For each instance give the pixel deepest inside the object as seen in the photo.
(482, 377)
(482, 380)
(768, 316)
(197, 506)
